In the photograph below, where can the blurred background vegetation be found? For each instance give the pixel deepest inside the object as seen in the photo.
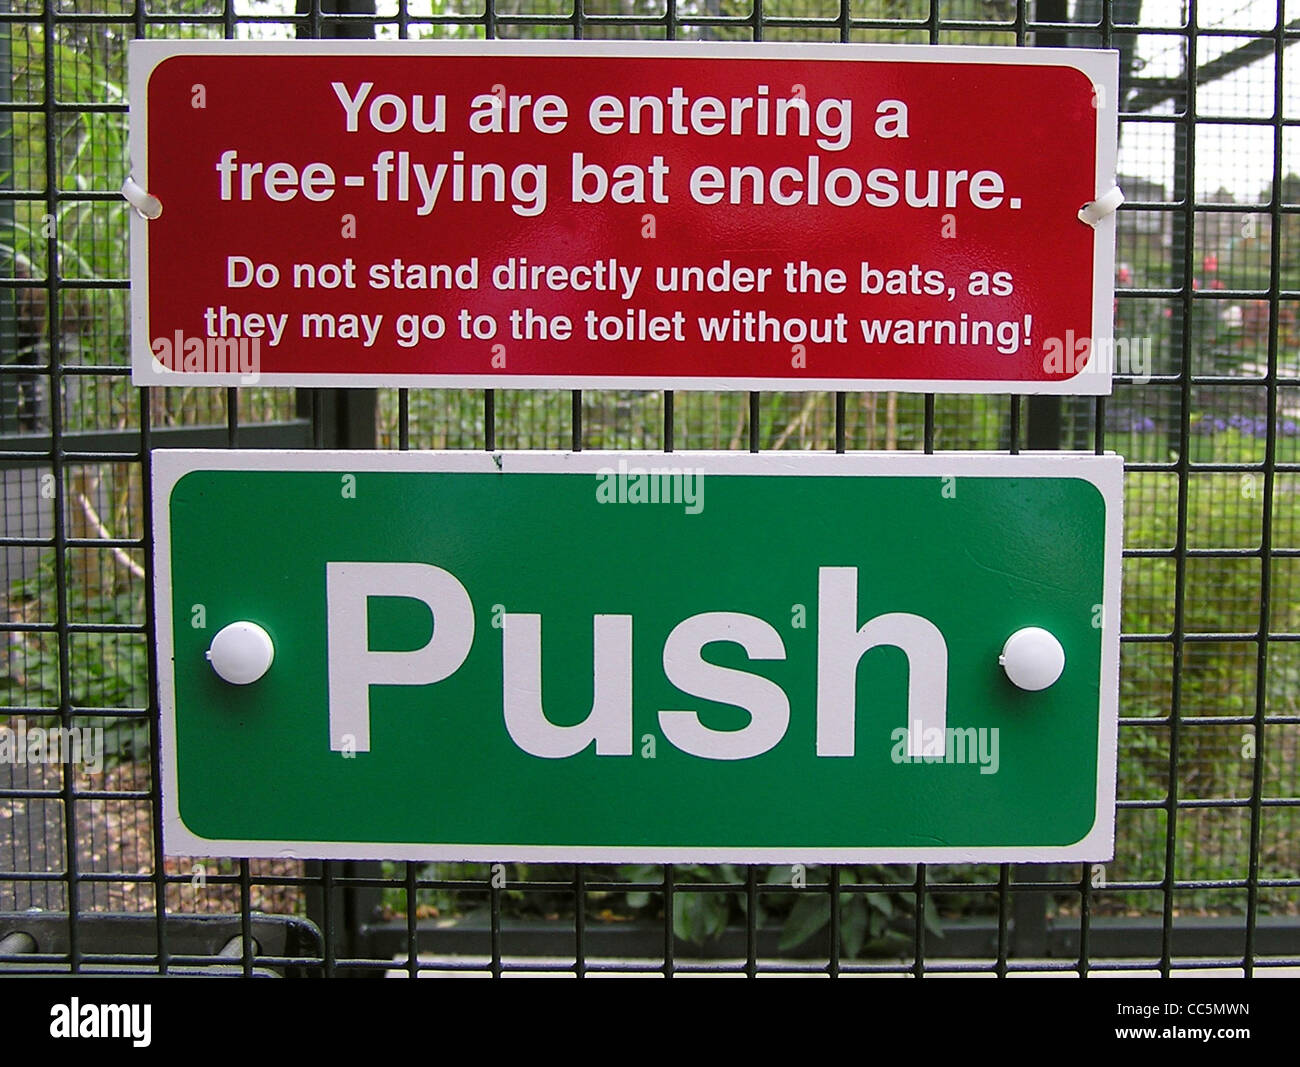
(1236, 412)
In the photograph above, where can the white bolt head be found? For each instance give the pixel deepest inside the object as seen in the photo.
(241, 653)
(1032, 658)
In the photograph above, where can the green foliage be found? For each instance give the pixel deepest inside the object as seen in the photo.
(871, 924)
(103, 673)
(707, 899)
(1222, 594)
(104, 670)
(90, 149)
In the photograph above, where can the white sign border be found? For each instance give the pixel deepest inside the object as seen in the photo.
(1101, 67)
(1104, 472)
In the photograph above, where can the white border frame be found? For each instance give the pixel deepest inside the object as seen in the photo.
(1106, 473)
(1101, 67)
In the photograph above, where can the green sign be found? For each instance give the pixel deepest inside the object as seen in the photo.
(638, 656)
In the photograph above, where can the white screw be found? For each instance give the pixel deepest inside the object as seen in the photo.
(241, 653)
(1032, 658)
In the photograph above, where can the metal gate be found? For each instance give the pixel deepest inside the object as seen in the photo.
(1206, 409)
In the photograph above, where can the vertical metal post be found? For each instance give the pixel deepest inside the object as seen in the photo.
(344, 418)
(9, 386)
(347, 415)
(1029, 913)
(1044, 430)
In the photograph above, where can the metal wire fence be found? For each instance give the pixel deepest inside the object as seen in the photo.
(1206, 410)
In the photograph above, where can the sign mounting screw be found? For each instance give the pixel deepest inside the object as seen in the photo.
(147, 206)
(1033, 658)
(241, 653)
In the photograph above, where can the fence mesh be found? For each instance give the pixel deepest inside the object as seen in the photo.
(1206, 411)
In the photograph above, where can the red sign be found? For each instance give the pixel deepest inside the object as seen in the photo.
(622, 215)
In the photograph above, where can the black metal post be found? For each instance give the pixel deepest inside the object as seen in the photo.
(345, 419)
